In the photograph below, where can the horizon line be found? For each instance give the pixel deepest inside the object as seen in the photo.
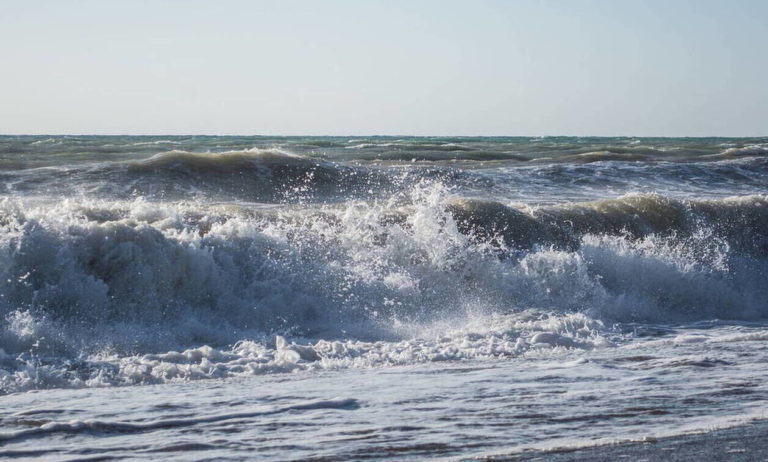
(401, 135)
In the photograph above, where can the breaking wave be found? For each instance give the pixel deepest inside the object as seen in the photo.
(100, 292)
(130, 260)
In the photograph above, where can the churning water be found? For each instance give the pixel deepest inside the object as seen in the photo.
(393, 298)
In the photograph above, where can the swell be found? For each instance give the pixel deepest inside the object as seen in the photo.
(263, 175)
(28, 152)
(422, 154)
(278, 176)
(256, 175)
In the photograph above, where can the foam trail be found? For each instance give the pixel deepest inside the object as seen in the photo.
(131, 427)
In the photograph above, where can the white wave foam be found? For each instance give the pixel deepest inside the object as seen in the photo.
(101, 292)
(478, 338)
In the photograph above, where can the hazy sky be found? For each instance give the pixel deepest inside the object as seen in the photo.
(569, 67)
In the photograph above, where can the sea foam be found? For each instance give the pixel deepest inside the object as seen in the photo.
(91, 287)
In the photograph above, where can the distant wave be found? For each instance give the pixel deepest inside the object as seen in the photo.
(736, 153)
(257, 175)
(410, 146)
(277, 175)
(32, 152)
(596, 156)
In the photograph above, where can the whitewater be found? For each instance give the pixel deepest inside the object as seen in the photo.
(364, 298)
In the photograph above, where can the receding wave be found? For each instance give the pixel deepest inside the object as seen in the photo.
(40, 429)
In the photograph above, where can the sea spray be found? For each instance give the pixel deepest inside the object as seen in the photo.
(93, 287)
(128, 261)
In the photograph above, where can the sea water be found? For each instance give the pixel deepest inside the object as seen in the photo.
(376, 298)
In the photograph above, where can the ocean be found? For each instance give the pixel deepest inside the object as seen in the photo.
(377, 298)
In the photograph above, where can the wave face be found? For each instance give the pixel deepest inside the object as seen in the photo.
(164, 262)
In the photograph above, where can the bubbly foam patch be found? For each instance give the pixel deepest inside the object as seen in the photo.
(480, 338)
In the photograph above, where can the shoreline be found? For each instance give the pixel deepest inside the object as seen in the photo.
(745, 442)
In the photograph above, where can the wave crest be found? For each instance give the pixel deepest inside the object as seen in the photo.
(123, 278)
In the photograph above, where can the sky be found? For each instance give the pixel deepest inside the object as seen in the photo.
(365, 67)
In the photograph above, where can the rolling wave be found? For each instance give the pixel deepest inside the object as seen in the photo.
(280, 176)
(142, 277)
(25, 152)
(122, 261)
(742, 221)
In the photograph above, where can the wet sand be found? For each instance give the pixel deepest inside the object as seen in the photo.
(743, 443)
